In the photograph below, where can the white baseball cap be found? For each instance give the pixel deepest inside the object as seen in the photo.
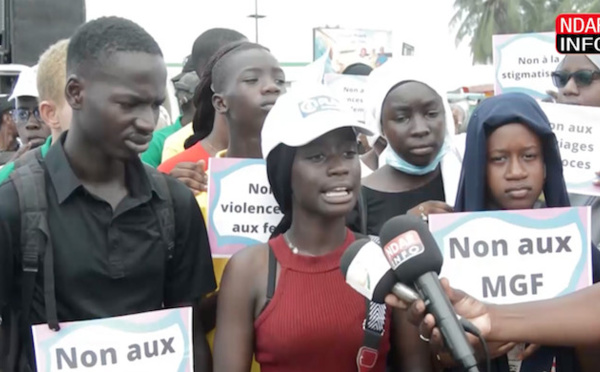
(304, 114)
(26, 84)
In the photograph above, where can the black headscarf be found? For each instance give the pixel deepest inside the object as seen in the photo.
(279, 172)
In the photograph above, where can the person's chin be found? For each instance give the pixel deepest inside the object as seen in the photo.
(513, 204)
(337, 210)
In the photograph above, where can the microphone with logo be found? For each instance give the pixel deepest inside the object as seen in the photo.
(367, 271)
(415, 258)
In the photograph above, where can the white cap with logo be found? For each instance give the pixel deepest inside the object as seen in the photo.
(26, 85)
(305, 114)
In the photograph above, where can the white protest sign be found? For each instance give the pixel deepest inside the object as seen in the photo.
(153, 341)
(524, 63)
(241, 208)
(508, 257)
(577, 130)
(350, 89)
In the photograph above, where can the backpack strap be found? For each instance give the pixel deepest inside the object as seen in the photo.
(30, 185)
(29, 158)
(165, 213)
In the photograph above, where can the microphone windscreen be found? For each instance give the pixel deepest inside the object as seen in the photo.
(367, 271)
(409, 248)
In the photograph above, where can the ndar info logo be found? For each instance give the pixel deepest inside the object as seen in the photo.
(578, 33)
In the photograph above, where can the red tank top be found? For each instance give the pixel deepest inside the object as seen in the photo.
(314, 321)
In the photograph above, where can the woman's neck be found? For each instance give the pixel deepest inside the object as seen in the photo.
(218, 139)
(315, 235)
(244, 146)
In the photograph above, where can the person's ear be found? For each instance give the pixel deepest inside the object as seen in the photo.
(49, 114)
(74, 92)
(219, 103)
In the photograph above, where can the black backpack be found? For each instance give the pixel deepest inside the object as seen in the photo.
(36, 248)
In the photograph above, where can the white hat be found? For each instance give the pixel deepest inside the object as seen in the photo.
(305, 114)
(395, 71)
(26, 84)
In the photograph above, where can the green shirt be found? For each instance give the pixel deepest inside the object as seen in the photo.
(10, 167)
(153, 155)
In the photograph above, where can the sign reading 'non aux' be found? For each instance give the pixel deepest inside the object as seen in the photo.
(153, 341)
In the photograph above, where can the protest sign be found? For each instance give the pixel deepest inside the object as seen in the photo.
(351, 89)
(524, 63)
(153, 341)
(350, 46)
(241, 208)
(507, 257)
(577, 130)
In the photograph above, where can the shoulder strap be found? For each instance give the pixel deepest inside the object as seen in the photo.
(165, 213)
(272, 275)
(30, 157)
(30, 185)
(28, 178)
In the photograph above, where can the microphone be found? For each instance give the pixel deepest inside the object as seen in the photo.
(415, 258)
(367, 271)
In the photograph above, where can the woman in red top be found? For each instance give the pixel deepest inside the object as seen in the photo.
(287, 301)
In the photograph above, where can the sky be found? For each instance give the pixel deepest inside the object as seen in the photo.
(287, 27)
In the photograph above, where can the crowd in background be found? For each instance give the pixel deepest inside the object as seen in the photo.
(124, 191)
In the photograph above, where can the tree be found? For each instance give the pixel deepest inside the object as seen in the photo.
(480, 19)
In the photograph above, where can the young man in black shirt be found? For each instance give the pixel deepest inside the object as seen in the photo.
(109, 249)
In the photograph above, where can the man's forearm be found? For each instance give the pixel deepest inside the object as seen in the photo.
(567, 321)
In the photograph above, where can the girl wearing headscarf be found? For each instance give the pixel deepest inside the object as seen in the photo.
(286, 301)
(511, 158)
(422, 162)
(577, 78)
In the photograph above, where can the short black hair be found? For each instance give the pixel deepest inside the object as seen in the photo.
(207, 44)
(97, 39)
(212, 78)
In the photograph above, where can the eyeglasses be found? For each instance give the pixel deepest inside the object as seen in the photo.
(583, 78)
(21, 115)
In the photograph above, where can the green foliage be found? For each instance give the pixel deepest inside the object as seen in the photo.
(480, 19)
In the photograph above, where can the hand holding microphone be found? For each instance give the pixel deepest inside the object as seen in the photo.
(412, 252)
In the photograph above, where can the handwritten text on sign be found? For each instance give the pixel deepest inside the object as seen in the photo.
(153, 341)
(524, 63)
(577, 130)
(242, 210)
(515, 256)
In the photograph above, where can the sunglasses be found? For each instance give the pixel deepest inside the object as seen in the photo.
(21, 115)
(582, 78)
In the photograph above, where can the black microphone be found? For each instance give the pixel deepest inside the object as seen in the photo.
(416, 259)
(367, 271)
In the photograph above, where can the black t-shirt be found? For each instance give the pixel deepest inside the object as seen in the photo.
(381, 206)
(108, 263)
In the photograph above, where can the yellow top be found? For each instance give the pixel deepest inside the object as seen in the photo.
(202, 199)
(174, 143)
(218, 263)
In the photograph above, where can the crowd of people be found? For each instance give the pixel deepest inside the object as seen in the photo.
(103, 208)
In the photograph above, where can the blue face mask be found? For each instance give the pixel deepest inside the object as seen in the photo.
(395, 161)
